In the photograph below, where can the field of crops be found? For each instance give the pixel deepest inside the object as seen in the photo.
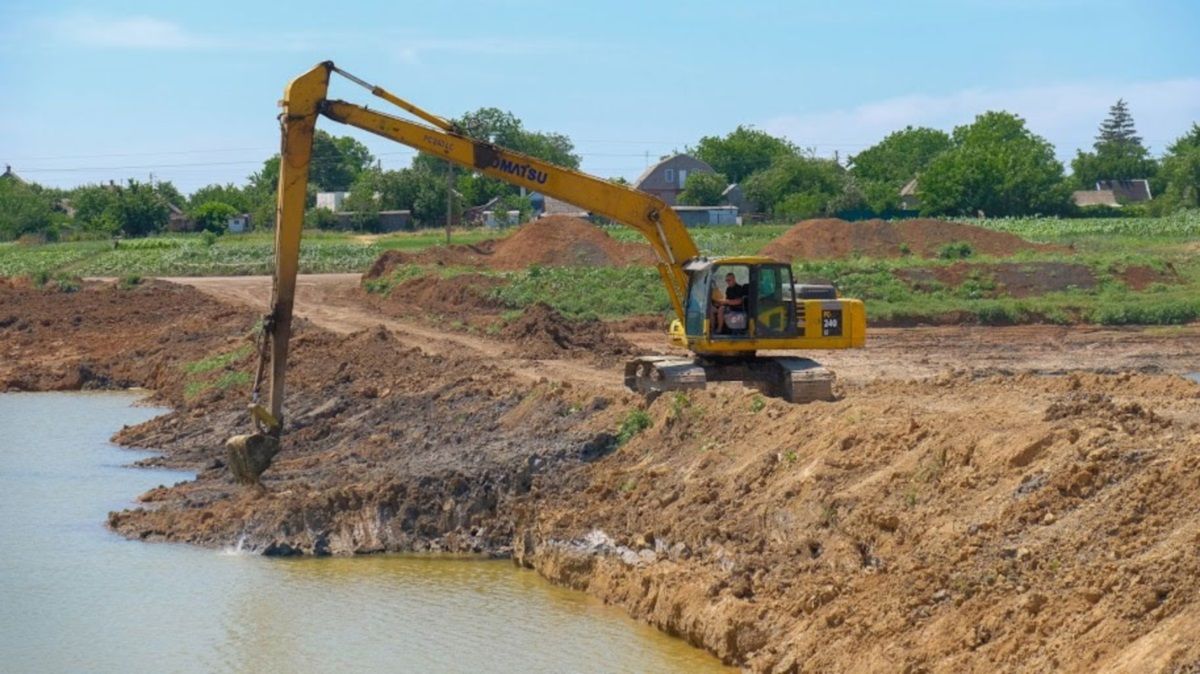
(194, 255)
(1184, 224)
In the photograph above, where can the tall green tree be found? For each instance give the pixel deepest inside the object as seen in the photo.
(883, 169)
(506, 130)
(703, 189)
(995, 165)
(1181, 171)
(239, 198)
(27, 209)
(742, 152)
(337, 162)
(1117, 154)
(795, 186)
(133, 209)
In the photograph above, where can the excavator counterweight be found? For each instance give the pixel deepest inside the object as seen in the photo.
(727, 310)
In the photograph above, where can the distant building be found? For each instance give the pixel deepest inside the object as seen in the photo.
(389, 221)
(238, 223)
(703, 216)
(177, 220)
(331, 201)
(9, 175)
(733, 196)
(1113, 193)
(909, 201)
(1127, 191)
(665, 179)
(1085, 198)
(545, 206)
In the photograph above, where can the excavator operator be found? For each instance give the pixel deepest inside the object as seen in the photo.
(734, 302)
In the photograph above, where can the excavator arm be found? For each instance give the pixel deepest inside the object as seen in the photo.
(305, 98)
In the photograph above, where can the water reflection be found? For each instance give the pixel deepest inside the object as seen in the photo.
(77, 597)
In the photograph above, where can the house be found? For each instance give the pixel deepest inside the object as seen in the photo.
(733, 196)
(237, 224)
(665, 179)
(9, 175)
(701, 216)
(1085, 198)
(177, 220)
(1127, 191)
(331, 201)
(909, 201)
(545, 206)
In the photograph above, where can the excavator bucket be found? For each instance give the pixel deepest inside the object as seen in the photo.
(250, 455)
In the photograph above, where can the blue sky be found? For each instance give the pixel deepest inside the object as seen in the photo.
(187, 91)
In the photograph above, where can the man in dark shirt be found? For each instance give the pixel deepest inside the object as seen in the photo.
(735, 300)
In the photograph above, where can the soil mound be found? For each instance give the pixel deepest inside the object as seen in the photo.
(542, 332)
(463, 254)
(561, 240)
(829, 238)
(452, 295)
(556, 241)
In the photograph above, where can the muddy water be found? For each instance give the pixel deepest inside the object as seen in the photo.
(78, 598)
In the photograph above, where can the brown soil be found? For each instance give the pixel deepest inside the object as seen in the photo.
(465, 293)
(542, 332)
(834, 238)
(557, 240)
(1025, 513)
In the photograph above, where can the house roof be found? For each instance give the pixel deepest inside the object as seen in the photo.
(552, 206)
(1094, 198)
(8, 174)
(1137, 189)
(909, 189)
(651, 170)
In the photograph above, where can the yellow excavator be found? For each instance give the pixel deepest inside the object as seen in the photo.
(727, 309)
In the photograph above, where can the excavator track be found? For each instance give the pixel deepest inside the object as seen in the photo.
(796, 380)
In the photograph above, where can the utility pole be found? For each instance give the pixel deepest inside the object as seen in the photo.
(449, 199)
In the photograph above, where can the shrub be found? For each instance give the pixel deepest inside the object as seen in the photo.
(955, 250)
(635, 422)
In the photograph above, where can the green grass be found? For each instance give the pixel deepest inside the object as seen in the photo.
(1105, 245)
(231, 255)
(218, 361)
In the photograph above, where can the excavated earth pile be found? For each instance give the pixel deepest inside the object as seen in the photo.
(555, 241)
(542, 332)
(977, 520)
(830, 238)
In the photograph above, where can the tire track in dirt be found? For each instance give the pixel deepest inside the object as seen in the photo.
(332, 301)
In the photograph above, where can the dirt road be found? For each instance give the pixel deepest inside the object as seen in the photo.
(335, 302)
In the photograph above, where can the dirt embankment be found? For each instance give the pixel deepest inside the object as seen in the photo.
(557, 240)
(831, 238)
(980, 520)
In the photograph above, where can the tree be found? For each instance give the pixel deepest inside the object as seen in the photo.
(741, 152)
(413, 189)
(27, 209)
(237, 197)
(134, 209)
(794, 186)
(884, 168)
(1118, 153)
(506, 130)
(997, 166)
(1181, 171)
(703, 189)
(336, 162)
(213, 216)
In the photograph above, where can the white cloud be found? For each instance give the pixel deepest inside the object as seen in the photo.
(127, 32)
(1067, 115)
